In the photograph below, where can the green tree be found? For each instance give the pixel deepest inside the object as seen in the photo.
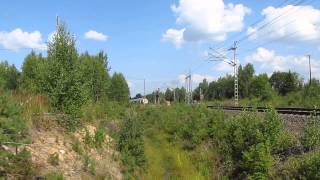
(33, 71)
(204, 86)
(168, 95)
(260, 87)
(9, 76)
(95, 77)
(119, 90)
(63, 80)
(245, 76)
(285, 82)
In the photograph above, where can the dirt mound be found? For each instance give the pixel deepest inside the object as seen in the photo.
(71, 164)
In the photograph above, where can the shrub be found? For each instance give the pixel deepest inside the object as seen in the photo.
(99, 137)
(89, 165)
(131, 144)
(54, 176)
(88, 139)
(76, 146)
(19, 166)
(304, 167)
(257, 161)
(53, 159)
(311, 136)
(249, 142)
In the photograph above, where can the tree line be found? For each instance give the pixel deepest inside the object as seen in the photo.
(70, 79)
(260, 86)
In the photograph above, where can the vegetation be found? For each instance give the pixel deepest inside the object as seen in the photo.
(155, 142)
(53, 159)
(131, 145)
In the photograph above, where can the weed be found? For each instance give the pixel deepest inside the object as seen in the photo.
(53, 159)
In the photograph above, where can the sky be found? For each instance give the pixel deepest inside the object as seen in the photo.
(161, 41)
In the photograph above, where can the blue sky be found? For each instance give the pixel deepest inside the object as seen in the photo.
(161, 40)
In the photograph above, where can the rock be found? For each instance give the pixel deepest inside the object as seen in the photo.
(62, 151)
(6, 148)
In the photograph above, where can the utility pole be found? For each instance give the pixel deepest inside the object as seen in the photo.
(144, 88)
(233, 62)
(200, 94)
(188, 84)
(57, 20)
(235, 71)
(309, 56)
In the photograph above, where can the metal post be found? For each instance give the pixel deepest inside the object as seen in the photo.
(310, 69)
(236, 82)
(144, 88)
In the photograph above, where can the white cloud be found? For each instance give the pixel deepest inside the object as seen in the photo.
(174, 36)
(267, 61)
(94, 35)
(292, 24)
(208, 19)
(224, 67)
(18, 38)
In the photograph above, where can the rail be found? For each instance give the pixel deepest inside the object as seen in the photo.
(281, 110)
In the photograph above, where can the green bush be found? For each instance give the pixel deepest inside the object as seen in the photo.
(76, 146)
(131, 144)
(311, 136)
(248, 143)
(53, 159)
(99, 137)
(305, 167)
(257, 161)
(88, 139)
(89, 165)
(19, 166)
(54, 176)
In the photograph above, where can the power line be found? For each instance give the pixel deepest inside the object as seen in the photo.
(274, 20)
(260, 20)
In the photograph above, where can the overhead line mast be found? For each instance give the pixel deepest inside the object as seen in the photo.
(235, 71)
(233, 62)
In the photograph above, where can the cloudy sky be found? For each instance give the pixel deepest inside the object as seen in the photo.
(161, 41)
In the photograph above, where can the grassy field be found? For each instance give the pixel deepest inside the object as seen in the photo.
(167, 160)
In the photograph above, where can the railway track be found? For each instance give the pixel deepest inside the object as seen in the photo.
(293, 111)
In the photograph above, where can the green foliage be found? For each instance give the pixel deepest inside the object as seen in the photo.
(305, 167)
(94, 75)
(285, 82)
(257, 161)
(89, 165)
(63, 81)
(99, 137)
(54, 176)
(204, 86)
(245, 76)
(311, 136)
(53, 159)
(168, 95)
(119, 90)
(88, 139)
(131, 144)
(250, 141)
(260, 87)
(33, 73)
(9, 76)
(76, 146)
(20, 165)
(12, 127)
